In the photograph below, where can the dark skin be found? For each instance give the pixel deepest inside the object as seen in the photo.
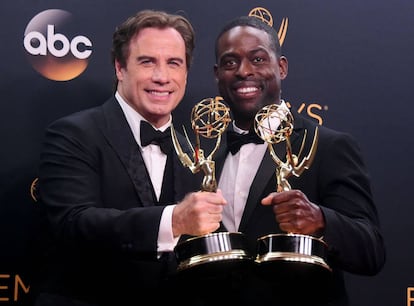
(249, 75)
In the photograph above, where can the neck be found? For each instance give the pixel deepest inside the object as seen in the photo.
(244, 125)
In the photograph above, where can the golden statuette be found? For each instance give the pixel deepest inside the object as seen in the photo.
(216, 252)
(209, 119)
(274, 124)
(288, 253)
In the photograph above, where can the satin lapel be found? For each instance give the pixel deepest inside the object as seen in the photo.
(298, 134)
(220, 158)
(121, 138)
(222, 152)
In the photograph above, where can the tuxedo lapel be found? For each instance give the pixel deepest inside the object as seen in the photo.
(298, 136)
(221, 153)
(139, 175)
(220, 158)
(120, 136)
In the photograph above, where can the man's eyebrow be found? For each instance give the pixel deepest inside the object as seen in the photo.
(148, 57)
(143, 57)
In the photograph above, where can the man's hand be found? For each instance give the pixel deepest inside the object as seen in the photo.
(199, 213)
(295, 213)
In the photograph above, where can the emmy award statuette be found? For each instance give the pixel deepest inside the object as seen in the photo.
(214, 252)
(288, 253)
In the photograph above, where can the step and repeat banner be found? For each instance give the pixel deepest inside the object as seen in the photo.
(350, 68)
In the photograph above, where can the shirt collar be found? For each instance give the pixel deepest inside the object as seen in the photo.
(134, 118)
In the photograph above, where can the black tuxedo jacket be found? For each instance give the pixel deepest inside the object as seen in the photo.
(101, 210)
(338, 182)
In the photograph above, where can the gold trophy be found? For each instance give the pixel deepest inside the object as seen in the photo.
(288, 252)
(206, 254)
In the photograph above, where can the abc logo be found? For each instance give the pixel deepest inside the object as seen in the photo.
(54, 47)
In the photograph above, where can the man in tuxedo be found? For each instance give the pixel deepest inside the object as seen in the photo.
(116, 200)
(332, 199)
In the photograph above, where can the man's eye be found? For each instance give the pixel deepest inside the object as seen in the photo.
(174, 63)
(146, 61)
(258, 59)
(229, 63)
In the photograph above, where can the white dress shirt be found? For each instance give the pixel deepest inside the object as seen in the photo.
(236, 178)
(155, 161)
(240, 169)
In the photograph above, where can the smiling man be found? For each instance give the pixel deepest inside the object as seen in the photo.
(117, 200)
(332, 198)
(152, 79)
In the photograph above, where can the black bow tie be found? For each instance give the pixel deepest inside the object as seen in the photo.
(151, 136)
(236, 140)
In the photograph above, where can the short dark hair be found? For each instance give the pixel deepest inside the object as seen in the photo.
(254, 22)
(151, 19)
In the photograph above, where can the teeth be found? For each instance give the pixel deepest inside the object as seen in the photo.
(160, 93)
(247, 89)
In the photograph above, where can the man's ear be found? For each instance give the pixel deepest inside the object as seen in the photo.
(215, 68)
(283, 67)
(118, 69)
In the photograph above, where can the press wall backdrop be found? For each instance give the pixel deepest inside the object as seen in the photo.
(350, 68)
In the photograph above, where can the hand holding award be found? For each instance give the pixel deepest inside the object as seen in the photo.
(288, 252)
(208, 254)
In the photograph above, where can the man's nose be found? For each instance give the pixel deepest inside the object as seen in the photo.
(246, 68)
(160, 73)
